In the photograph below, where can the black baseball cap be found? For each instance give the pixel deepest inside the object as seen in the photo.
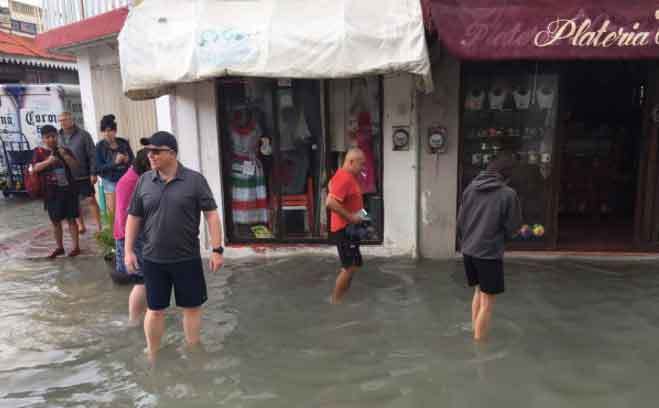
(161, 138)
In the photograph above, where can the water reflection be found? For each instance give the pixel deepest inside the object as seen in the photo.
(565, 334)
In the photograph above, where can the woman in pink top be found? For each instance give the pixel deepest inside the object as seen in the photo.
(123, 193)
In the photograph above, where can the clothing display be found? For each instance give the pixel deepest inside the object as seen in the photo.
(522, 98)
(248, 193)
(294, 142)
(364, 138)
(545, 97)
(474, 100)
(497, 98)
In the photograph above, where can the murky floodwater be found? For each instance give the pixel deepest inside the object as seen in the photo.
(578, 334)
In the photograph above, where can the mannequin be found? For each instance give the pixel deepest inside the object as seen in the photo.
(249, 196)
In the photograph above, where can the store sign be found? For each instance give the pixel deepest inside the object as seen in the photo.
(543, 29)
(33, 120)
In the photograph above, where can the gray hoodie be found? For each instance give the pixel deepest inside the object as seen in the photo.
(490, 213)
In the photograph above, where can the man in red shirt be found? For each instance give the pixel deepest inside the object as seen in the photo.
(345, 203)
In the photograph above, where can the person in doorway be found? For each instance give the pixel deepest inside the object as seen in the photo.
(55, 165)
(166, 205)
(345, 202)
(81, 144)
(113, 158)
(489, 213)
(124, 192)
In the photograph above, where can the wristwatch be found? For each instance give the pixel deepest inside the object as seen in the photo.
(219, 250)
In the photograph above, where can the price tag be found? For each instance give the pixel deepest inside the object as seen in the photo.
(249, 168)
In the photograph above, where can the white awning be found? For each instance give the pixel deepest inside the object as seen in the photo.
(166, 42)
(38, 62)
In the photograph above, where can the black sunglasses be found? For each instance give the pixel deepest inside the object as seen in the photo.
(157, 151)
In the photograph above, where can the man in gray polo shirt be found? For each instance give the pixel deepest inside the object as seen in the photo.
(80, 142)
(167, 205)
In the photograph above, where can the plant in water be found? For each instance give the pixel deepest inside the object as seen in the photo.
(105, 238)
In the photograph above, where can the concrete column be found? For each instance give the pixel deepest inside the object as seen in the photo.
(400, 167)
(196, 130)
(87, 93)
(439, 173)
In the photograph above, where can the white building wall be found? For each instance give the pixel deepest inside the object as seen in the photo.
(400, 167)
(87, 92)
(196, 130)
(439, 173)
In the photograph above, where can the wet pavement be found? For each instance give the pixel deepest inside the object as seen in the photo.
(565, 334)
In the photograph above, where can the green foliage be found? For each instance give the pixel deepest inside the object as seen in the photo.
(105, 238)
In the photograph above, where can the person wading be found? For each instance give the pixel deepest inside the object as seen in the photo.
(55, 165)
(167, 205)
(489, 213)
(124, 191)
(345, 201)
(81, 144)
(113, 158)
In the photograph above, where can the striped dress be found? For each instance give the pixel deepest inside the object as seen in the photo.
(248, 192)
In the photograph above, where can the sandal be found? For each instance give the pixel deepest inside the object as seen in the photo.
(74, 253)
(56, 253)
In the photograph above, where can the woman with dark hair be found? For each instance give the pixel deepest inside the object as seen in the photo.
(124, 191)
(113, 158)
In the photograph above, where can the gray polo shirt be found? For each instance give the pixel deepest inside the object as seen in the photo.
(82, 145)
(171, 213)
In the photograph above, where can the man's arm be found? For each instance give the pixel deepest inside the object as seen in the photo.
(68, 157)
(335, 206)
(513, 219)
(133, 225)
(215, 229)
(90, 150)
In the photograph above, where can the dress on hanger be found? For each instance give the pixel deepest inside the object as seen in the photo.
(248, 192)
(364, 138)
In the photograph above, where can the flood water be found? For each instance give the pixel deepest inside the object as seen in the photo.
(565, 334)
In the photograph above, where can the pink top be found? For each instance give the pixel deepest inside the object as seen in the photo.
(122, 195)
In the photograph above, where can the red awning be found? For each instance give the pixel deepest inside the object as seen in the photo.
(84, 31)
(548, 29)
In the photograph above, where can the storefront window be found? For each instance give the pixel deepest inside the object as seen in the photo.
(356, 121)
(515, 110)
(282, 140)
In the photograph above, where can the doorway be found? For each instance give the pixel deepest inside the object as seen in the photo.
(600, 152)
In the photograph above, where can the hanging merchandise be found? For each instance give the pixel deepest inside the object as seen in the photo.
(474, 100)
(364, 139)
(361, 132)
(522, 97)
(497, 97)
(248, 193)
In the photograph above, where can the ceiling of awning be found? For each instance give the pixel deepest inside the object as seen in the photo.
(548, 29)
(167, 42)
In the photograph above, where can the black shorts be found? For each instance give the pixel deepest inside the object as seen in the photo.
(126, 278)
(486, 273)
(349, 252)
(62, 205)
(85, 188)
(187, 279)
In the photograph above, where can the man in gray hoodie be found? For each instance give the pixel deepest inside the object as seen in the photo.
(489, 213)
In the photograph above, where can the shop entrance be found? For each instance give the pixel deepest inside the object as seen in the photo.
(600, 148)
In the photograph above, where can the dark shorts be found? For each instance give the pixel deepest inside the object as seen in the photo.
(120, 274)
(187, 279)
(349, 252)
(62, 205)
(85, 188)
(486, 273)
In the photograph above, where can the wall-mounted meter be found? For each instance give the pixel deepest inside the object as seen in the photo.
(437, 139)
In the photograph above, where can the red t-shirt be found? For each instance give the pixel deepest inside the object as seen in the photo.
(344, 188)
